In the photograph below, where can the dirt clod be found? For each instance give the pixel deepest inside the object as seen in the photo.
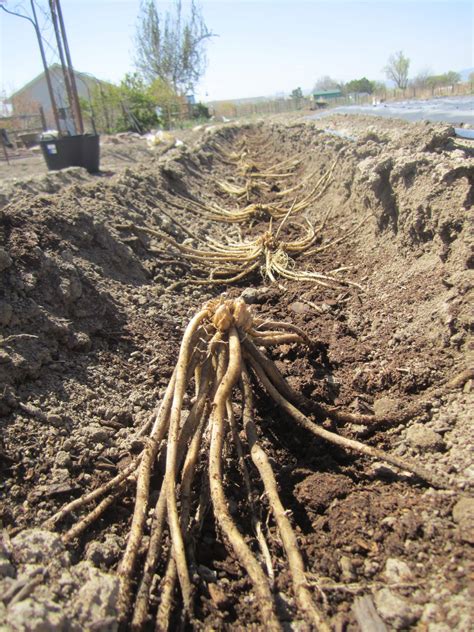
(425, 439)
(399, 613)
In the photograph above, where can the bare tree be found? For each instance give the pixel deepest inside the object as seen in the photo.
(397, 69)
(422, 79)
(171, 48)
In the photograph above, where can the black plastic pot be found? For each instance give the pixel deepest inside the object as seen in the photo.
(72, 151)
(91, 152)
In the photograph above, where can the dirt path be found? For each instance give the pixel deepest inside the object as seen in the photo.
(90, 334)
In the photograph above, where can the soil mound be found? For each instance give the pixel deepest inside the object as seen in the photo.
(91, 317)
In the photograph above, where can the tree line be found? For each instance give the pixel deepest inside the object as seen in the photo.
(137, 105)
(170, 58)
(396, 71)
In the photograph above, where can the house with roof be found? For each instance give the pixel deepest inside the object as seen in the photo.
(34, 96)
(322, 98)
(325, 95)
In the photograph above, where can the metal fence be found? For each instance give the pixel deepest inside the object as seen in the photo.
(22, 129)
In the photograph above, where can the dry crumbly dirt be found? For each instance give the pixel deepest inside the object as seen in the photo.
(26, 169)
(90, 331)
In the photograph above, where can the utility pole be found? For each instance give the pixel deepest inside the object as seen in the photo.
(60, 49)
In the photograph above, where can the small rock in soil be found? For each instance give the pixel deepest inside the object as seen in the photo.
(36, 546)
(430, 613)
(62, 460)
(317, 491)
(424, 439)
(464, 510)
(54, 420)
(463, 515)
(96, 601)
(299, 308)
(367, 616)
(96, 434)
(35, 616)
(104, 553)
(255, 295)
(397, 571)
(398, 612)
(386, 406)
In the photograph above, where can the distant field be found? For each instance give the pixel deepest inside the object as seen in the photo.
(454, 110)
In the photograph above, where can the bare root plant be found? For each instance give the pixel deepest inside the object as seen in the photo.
(222, 356)
(231, 261)
(255, 174)
(253, 184)
(273, 209)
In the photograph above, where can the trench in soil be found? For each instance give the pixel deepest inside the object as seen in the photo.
(93, 330)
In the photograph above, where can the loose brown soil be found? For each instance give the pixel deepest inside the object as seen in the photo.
(90, 335)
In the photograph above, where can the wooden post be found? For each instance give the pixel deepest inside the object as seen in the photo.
(4, 148)
(43, 118)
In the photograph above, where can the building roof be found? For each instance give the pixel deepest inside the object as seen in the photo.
(327, 93)
(53, 68)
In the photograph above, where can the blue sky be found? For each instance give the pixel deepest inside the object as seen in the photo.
(264, 47)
